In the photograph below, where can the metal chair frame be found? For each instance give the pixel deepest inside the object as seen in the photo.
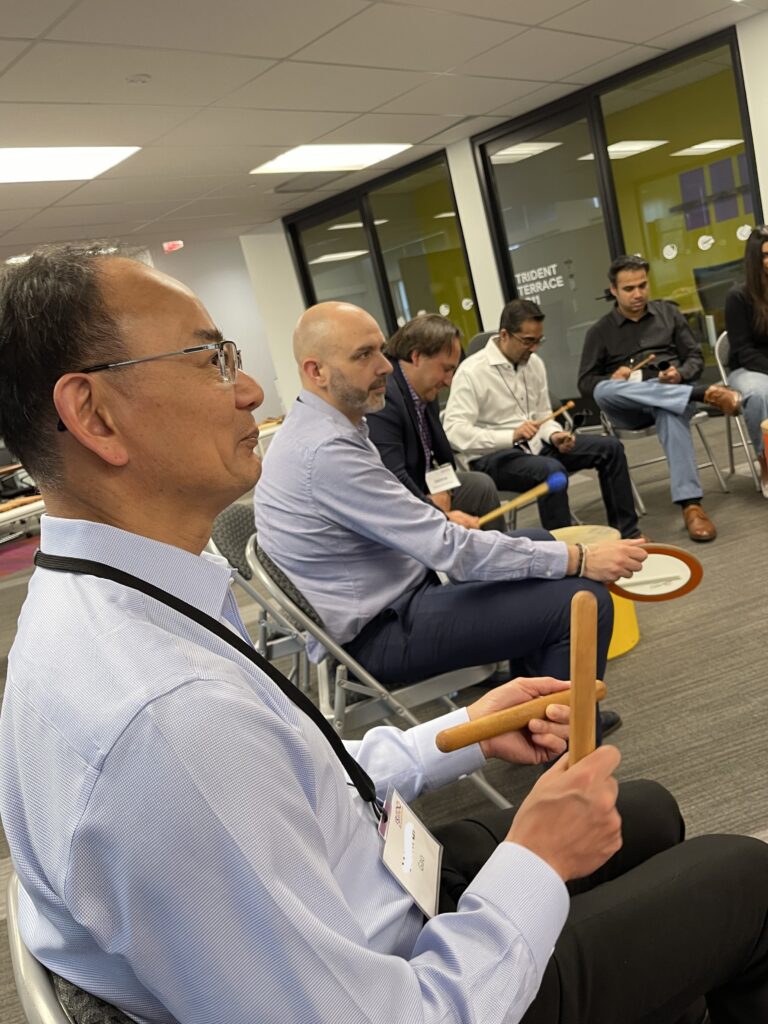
(722, 351)
(339, 674)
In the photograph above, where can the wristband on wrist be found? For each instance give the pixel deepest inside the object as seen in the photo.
(583, 560)
(578, 571)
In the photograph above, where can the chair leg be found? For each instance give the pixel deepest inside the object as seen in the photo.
(747, 450)
(729, 441)
(488, 791)
(639, 503)
(711, 457)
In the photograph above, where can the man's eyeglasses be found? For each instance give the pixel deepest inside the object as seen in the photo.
(529, 342)
(229, 360)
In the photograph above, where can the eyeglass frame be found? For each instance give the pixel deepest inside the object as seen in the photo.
(209, 347)
(528, 342)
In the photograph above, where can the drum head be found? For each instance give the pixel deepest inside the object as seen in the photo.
(667, 572)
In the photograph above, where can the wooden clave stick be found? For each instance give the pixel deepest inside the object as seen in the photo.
(555, 414)
(521, 499)
(505, 721)
(644, 362)
(583, 675)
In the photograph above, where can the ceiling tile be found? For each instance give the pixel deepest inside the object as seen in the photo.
(530, 13)
(464, 129)
(459, 95)
(22, 18)
(539, 98)
(231, 27)
(293, 85)
(615, 21)
(10, 218)
(407, 37)
(225, 126)
(222, 206)
(542, 55)
(68, 73)
(191, 161)
(605, 68)
(10, 50)
(703, 27)
(85, 124)
(24, 236)
(139, 189)
(390, 128)
(15, 195)
(104, 213)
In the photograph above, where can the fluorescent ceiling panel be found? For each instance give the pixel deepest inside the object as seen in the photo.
(711, 146)
(336, 257)
(303, 159)
(522, 151)
(444, 216)
(61, 163)
(353, 224)
(630, 147)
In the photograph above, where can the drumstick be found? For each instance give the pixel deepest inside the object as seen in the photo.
(554, 482)
(554, 415)
(583, 674)
(644, 362)
(508, 720)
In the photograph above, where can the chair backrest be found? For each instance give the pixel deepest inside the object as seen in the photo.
(723, 355)
(479, 341)
(231, 530)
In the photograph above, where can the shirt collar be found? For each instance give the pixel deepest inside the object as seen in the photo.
(345, 424)
(497, 358)
(200, 580)
(619, 319)
(417, 401)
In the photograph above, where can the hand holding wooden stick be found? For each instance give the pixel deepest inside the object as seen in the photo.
(583, 675)
(554, 415)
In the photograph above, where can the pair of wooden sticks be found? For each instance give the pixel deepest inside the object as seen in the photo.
(585, 691)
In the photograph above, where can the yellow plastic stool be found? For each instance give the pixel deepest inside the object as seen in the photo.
(626, 631)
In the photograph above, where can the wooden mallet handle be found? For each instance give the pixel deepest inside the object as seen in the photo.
(644, 362)
(554, 482)
(555, 414)
(505, 721)
(583, 675)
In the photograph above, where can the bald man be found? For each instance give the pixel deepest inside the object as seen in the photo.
(365, 551)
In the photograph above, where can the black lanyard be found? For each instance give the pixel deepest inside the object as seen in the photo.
(360, 778)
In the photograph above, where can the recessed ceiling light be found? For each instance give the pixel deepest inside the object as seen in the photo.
(711, 146)
(353, 224)
(629, 147)
(60, 163)
(522, 151)
(443, 216)
(335, 257)
(306, 159)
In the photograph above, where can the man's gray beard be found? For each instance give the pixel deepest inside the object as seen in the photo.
(354, 398)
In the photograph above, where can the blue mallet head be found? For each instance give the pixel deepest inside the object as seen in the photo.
(557, 482)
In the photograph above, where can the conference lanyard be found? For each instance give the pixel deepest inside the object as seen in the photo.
(84, 567)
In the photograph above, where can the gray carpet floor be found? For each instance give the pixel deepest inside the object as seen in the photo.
(692, 693)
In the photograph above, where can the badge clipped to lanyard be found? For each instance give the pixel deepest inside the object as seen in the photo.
(442, 478)
(411, 853)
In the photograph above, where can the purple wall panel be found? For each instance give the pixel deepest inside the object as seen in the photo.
(692, 188)
(721, 180)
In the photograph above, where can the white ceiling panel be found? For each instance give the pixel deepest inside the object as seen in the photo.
(22, 18)
(83, 124)
(390, 128)
(169, 161)
(24, 236)
(11, 218)
(231, 26)
(222, 206)
(226, 126)
(16, 195)
(407, 37)
(634, 25)
(502, 10)
(188, 79)
(459, 95)
(539, 98)
(733, 14)
(469, 126)
(9, 51)
(542, 55)
(139, 189)
(104, 213)
(605, 68)
(295, 85)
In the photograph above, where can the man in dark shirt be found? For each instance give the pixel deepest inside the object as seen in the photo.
(424, 354)
(660, 393)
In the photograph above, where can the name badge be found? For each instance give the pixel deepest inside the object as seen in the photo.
(411, 853)
(442, 479)
(636, 376)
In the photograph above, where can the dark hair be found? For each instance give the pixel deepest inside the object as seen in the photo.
(756, 280)
(626, 262)
(516, 312)
(53, 320)
(427, 334)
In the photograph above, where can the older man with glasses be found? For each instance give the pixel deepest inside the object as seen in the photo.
(493, 419)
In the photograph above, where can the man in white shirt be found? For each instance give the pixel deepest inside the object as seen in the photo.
(493, 419)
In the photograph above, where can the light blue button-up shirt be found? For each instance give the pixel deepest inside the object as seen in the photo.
(187, 843)
(353, 539)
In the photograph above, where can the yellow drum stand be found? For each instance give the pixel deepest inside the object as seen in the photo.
(626, 631)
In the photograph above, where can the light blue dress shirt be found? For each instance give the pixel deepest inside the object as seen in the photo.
(187, 843)
(353, 539)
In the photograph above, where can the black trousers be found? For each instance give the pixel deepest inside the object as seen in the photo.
(517, 470)
(661, 924)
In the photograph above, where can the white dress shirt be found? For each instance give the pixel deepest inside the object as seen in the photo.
(490, 397)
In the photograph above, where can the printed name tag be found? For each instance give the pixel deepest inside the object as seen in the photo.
(442, 479)
(636, 376)
(411, 853)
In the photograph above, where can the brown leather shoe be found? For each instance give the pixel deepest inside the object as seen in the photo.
(727, 400)
(698, 524)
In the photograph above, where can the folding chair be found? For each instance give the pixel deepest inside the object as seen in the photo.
(276, 636)
(623, 434)
(339, 675)
(722, 358)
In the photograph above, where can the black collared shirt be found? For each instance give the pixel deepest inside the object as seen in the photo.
(614, 341)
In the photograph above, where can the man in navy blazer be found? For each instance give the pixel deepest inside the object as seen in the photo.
(425, 353)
